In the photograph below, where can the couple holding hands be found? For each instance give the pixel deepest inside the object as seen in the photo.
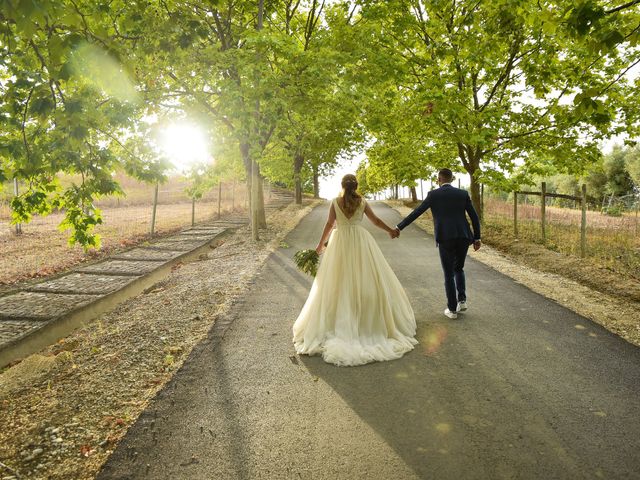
(357, 311)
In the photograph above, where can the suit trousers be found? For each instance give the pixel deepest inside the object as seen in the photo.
(452, 256)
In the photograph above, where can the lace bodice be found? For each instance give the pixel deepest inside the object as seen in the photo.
(355, 219)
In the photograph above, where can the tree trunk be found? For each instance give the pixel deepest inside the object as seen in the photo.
(475, 194)
(246, 161)
(257, 197)
(255, 181)
(253, 170)
(414, 194)
(298, 161)
(262, 217)
(471, 164)
(316, 183)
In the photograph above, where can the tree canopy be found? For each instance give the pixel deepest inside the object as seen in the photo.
(490, 86)
(503, 90)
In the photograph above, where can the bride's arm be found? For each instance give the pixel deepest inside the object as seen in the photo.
(327, 230)
(376, 221)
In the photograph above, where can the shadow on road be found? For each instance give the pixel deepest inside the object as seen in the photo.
(238, 441)
(409, 407)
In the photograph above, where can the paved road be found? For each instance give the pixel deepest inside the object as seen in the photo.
(519, 387)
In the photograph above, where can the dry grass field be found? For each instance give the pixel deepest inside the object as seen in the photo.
(612, 242)
(42, 249)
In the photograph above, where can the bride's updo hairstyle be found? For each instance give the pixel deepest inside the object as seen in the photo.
(350, 197)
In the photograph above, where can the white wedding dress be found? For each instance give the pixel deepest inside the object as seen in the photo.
(357, 311)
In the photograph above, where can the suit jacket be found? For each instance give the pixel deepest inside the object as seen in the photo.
(448, 205)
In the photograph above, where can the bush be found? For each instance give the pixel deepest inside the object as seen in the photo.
(613, 210)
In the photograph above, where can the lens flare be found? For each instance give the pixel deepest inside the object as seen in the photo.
(433, 339)
(184, 144)
(104, 71)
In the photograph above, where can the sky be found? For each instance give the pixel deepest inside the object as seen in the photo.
(330, 186)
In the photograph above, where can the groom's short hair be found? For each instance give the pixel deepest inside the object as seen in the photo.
(445, 174)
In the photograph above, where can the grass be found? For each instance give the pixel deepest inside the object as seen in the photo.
(613, 242)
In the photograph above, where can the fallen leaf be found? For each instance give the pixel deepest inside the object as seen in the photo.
(86, 450)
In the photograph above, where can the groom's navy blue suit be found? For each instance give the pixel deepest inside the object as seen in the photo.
(452, 233)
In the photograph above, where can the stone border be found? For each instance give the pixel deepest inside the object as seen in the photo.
(27, 328)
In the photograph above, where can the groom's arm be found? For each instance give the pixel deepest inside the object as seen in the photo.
(475, 220)
(420, 209)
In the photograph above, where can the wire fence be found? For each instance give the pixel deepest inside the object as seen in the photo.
(42, 248)
(611, 232)
(613, 240)
(133, 214)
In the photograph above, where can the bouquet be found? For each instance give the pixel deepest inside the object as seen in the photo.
(307, 261)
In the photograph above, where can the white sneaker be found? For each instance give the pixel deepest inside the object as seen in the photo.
(462, 306)
(450, 314)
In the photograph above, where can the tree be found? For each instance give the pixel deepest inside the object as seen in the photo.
(401, 153)
(499, 81)
(319, 119)
(213, 60)
(596, 182)
(619, 182)
(632, 165)
(67, 106)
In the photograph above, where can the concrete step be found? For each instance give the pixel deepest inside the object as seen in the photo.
(40, 314)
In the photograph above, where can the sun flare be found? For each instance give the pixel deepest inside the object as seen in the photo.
(184, 145)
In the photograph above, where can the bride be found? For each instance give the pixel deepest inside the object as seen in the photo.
(357, 312)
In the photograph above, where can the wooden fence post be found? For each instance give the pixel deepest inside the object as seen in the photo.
(16, 193)
(637, 207)
(515, 214)
(193, 210)
(153, 212)
(583, 223)
(219, 196)
(233, 196)
(543, 204)
(482, 202)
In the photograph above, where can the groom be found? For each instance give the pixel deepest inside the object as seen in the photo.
(453, 235)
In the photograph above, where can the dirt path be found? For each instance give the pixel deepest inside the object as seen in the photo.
(519, 387)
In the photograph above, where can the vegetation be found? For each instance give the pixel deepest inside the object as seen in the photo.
(503, 90)
(611, 183)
